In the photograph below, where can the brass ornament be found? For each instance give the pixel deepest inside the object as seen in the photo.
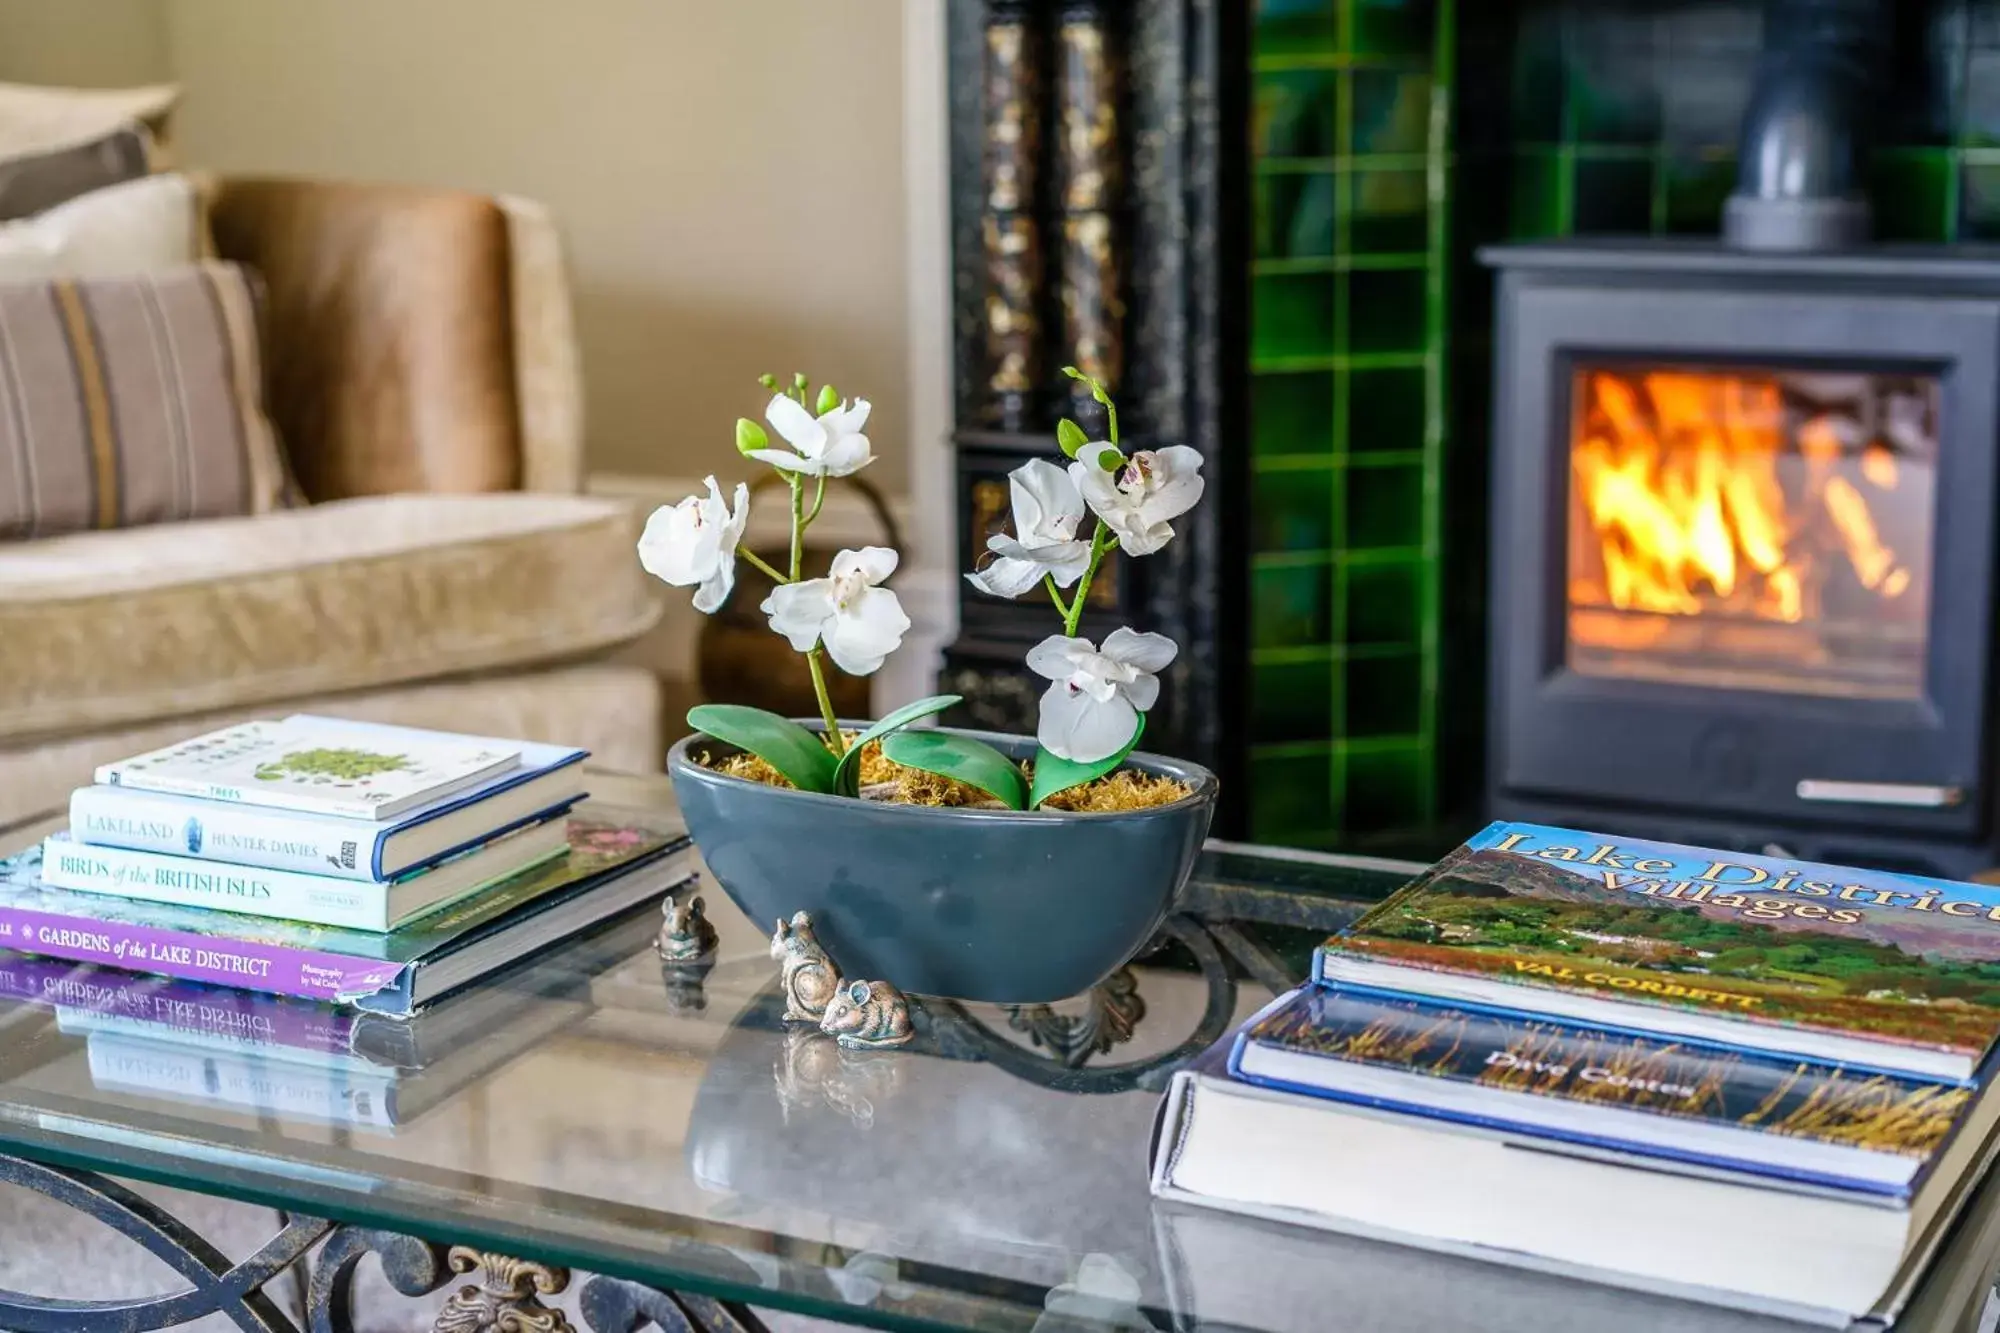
(508, 1301)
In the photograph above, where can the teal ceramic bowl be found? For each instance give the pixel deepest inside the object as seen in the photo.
(987, 905)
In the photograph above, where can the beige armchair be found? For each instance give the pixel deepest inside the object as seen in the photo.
(423, 377)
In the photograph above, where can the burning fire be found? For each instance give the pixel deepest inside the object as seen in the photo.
(1701, 500)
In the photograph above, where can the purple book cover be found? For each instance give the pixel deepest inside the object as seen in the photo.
(251, 964)
(177, 1006)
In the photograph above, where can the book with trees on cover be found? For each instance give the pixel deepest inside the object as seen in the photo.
(1678, 1101)
(320, 764)
(1858, 967)
(547, 780)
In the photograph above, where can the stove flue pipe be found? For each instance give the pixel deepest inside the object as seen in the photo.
(1798, 182)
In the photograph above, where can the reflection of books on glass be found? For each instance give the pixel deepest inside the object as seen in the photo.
(319, 764)
(240, 1081)
(272, 1055)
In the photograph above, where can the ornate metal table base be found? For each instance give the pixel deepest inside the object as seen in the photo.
(508, 1299)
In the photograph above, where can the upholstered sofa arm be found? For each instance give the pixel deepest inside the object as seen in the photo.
(420, 339)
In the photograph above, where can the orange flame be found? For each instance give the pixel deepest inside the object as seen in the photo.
(1678, 478)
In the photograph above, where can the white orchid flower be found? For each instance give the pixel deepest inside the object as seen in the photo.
(860, 623)
(694, 542)
(1092, 710)
(1047, 508)
(1137, 502)
(829, 445)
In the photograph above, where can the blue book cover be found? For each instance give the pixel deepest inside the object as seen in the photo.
(1443, 1059)
(308, 842)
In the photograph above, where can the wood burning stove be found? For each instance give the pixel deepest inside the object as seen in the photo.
(1744, 500)
(1744, 509)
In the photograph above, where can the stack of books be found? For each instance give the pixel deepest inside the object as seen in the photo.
(369, 865)
(1762, 1083)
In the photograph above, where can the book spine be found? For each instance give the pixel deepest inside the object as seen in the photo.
(310, 974)
(116, 775)
(150, 877)
(229, 1079)
(236, 834)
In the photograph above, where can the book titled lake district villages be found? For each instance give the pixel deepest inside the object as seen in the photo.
(1860, 967)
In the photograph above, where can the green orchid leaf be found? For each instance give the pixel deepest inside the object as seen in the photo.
(780, 742)
(847, 777)
(829, 398)
(1053, 776)
(962, 759)
(750, 437)
(1070, 436)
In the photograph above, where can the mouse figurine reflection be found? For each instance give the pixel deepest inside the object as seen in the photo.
(809, 976)
(868, 1015)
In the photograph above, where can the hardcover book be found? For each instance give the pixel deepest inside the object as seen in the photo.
(1715, 1108)
(617, 859)
(1559, 1203)
(547, 780)
(319, 900)
(1856, 967)
(317, 764)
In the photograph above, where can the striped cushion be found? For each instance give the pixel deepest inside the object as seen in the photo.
(133, 400)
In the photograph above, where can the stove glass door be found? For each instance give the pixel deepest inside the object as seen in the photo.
(1752, 528)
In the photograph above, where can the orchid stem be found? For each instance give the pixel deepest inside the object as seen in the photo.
(819, 498)
(758, 562)
(1049, 582)
(798, 524)
(1073, 615)
(835, 741)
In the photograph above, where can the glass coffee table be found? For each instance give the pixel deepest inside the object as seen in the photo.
(659, 1129)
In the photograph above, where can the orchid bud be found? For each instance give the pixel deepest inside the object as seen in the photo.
(829, 398)
(1070, 436)
(1110, 459)
(750, 437)
(769, 381)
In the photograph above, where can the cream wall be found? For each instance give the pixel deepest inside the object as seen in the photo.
(86, 43)
(728, 173)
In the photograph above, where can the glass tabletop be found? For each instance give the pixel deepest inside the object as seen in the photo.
(601, 1109)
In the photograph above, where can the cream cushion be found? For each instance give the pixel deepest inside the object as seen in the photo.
(137, 226)
(99, 629)
(37, 117)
